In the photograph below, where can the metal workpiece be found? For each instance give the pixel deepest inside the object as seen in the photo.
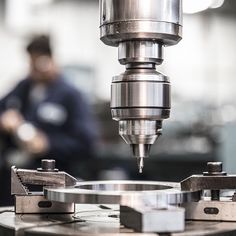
(128, 193)
(121, 20)
(143, 206)
(147, 219)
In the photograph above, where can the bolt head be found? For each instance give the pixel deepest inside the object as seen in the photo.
(48, 165)
(214, 167)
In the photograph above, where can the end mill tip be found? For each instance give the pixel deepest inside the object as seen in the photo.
(141, 151)
(140, 170)
(140, 164)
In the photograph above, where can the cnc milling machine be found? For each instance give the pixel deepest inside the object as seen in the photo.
(140, 100)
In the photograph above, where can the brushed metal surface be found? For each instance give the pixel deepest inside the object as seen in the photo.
(140, 51)
(153, 10)
(136, 19)
(140, 94)
(91, 220)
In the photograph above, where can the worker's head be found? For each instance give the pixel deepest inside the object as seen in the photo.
(42, 66)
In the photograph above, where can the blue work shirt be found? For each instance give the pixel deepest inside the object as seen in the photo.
(63, 115)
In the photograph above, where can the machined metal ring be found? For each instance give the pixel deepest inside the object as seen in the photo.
(122, 192)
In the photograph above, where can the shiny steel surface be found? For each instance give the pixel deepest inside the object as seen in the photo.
(140, 161)
(140, 94)
(140, 134)
(140, 151)
(134, 75)
(139, 131)
(140, 101)
(134, 19)
(140, 29)
(138, 127)
(123, 10)
(140, 113)
(112, 34)
(128, 193)
(140, 52)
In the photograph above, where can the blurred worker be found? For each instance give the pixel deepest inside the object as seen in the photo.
(43, 117)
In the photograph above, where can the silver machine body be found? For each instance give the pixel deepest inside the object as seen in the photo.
(140, 97)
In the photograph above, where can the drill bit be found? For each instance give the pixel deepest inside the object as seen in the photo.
(140, 164)
(141, 151)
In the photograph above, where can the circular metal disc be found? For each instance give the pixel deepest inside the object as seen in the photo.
(122, 192)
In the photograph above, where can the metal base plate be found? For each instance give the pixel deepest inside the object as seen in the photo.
(93, 220)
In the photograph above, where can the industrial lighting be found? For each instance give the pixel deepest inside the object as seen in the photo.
(194, 6)
(40, 2)
(217, 3)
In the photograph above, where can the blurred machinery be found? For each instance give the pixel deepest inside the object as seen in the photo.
(140, 97)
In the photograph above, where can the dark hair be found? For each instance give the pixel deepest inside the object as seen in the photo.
(40, 44)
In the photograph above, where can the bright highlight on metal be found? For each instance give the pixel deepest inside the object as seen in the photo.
(140, 164)
(193, 6)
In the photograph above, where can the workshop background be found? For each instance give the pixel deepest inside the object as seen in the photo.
(202, 69)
